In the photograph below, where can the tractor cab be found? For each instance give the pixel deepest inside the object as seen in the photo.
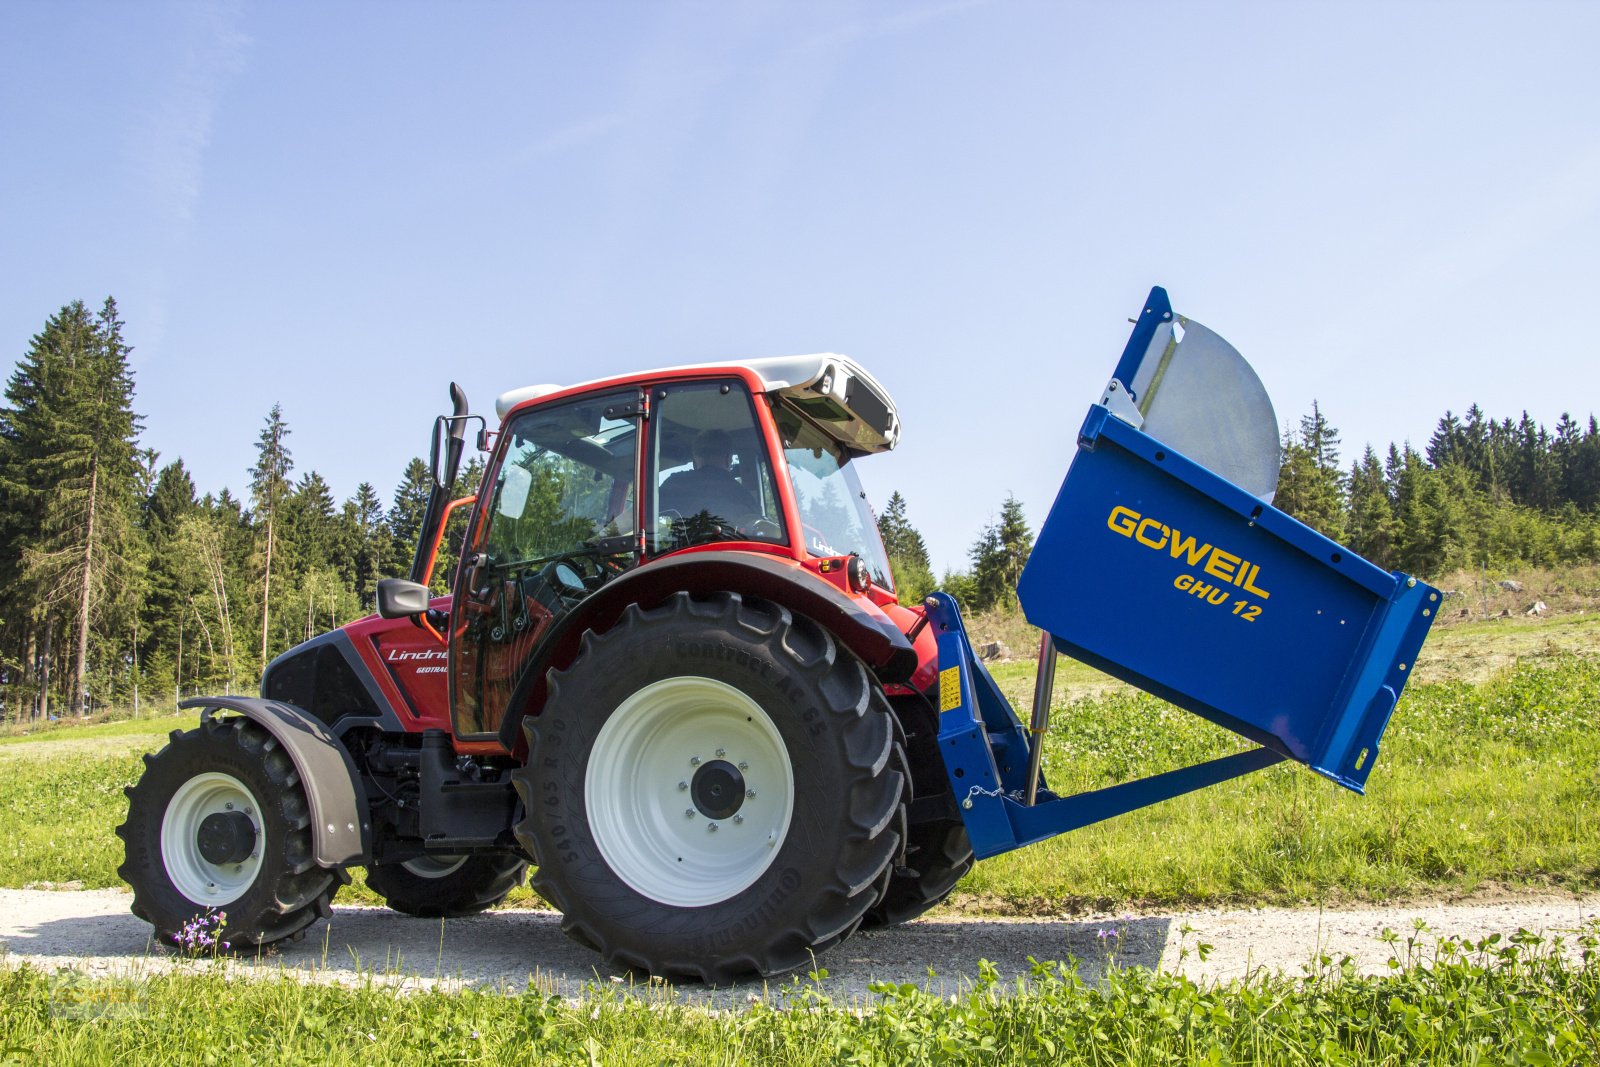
(589, 482)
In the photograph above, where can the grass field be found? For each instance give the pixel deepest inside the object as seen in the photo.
(1492, 1002)
(1485, 782)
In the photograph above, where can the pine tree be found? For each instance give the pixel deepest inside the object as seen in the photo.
(170, 501)
(1311, 485)
(368, 542)
(1371, 526)
(908, 554)
(310, 526)
(1446, 445)
(74, 433)
(269, 485)
(405, 517)
(998, 556)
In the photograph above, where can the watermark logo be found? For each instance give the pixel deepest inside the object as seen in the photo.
(77, 996)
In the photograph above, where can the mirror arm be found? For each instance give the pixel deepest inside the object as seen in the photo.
(438, 536)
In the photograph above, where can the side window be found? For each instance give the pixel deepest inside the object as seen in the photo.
(560, 523)
(565, 485)
(710, 473)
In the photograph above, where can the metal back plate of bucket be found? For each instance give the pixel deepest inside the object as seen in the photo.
(1159, 572)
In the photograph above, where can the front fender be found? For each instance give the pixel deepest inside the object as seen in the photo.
(341, 829)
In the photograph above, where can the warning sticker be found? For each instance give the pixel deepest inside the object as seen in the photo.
(950, 688)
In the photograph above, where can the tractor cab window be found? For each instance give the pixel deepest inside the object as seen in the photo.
(833, 506)
(565, 487)
(560, 522)
(711, 475)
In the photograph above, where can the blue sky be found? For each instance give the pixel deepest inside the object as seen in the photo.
(1392, 208)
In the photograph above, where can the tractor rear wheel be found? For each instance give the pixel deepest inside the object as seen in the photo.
(219, 823)
(713, 790)
(938, 852)
(448, 887)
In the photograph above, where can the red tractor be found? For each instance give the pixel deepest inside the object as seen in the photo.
(673, 675)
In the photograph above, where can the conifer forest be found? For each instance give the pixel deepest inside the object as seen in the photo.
(124, 585)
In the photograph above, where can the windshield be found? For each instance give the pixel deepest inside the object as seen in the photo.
(833, 507)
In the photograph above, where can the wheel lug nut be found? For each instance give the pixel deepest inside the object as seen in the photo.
(738, 818)
(750, 794)
(743, 766)
(711, 828)
(229, 805)
(688, 813)
(682, 786)
(721, 752)
(694, 761)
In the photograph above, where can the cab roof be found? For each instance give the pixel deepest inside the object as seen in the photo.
(833, 390)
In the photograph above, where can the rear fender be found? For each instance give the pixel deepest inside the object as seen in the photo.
(341, 828)
(856, 622)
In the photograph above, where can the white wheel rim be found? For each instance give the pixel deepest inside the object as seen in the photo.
(434, 866)
(641, 787)
(197, 878)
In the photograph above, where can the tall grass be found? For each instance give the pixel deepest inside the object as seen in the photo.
(1492, 1001)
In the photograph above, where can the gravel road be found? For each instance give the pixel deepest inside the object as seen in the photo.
(93, 931)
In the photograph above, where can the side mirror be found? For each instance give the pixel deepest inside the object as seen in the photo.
(400, 598)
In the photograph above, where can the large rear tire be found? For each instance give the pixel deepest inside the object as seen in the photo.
(219, 823)
(713, 790)
(446, 887)
(938, 852)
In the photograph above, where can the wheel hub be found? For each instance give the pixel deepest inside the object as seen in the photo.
(226, 837)
(717, 789)
(212, 857)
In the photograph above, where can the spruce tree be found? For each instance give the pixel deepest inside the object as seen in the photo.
(370, 542)
(269, 485)
(71, 434)
(908, 554)
(998, 556)
(405, 517)
(1371, 527)
(170, 501)
(1311, 485)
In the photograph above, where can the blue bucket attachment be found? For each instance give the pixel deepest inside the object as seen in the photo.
(1164, 574)
(1158, 572)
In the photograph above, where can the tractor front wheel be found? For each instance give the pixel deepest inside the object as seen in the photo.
(713, 790)
(219, 825)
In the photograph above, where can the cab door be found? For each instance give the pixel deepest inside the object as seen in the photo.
(557, 519)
